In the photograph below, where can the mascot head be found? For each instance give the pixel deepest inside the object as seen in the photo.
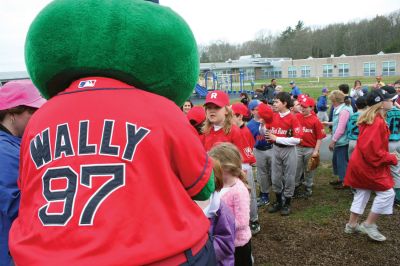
(138, 42)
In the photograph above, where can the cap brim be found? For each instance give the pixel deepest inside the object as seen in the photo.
(37, 103)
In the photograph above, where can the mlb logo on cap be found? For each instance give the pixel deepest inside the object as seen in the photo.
(218, 98)
(87, 83)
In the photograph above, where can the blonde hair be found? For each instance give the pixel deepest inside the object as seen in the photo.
(219, 182)
(368, 116)
(336, 96)
(227, 122)
(229, 158)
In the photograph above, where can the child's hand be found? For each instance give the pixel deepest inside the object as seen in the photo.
(315, 154)
(270, 137)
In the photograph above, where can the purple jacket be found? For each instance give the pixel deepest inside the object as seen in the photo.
(222, 231)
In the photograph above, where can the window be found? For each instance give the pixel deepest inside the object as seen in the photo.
(305, 71)
(343, 70)
(292, 72)
(370, 69)
(327, 70)
(389, 68)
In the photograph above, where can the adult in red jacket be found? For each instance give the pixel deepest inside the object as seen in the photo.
(369, 167)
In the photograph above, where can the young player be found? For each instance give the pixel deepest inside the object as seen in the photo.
(262, 151)
(239, 111)
(236, 196)
(393, 122)
(312, 134)
(322, 106)
(369, 170)
(196, 117)
(285, 133)
(218, 126)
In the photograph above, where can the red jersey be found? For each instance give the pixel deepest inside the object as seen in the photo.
(248, 137)
(287, 126)
(234, 136)
(102, 184)
(312, 130)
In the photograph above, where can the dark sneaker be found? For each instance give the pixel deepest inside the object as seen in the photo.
(335, 183)
(255, 228)
(340, 187)
(396, 203)
(308, 192)
(285, 211)
(263, 201)
(277, 206)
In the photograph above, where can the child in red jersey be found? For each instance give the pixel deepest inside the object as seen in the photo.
(285, 133)
(218, 126)
(196, 117)
(313, 133)
(236, 196)
(239, 111)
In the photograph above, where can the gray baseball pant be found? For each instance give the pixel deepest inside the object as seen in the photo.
(303, 155)
(284, 165)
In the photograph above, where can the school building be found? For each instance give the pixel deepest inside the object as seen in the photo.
(255, 67)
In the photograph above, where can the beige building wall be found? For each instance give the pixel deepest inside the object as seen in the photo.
(356, 64)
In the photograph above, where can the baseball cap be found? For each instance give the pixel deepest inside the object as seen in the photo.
(307, 102)
(239, 108)
(20, 92)
(377, 96)
(291, 82)
(253, 104)
(324, 90)
(218, 98)
(265, 112)
(197, 114)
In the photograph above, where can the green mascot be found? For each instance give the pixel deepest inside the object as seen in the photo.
(109, 165)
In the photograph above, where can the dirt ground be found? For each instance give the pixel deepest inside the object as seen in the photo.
(314, 233)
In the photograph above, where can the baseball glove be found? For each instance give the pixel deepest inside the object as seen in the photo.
(313, 163)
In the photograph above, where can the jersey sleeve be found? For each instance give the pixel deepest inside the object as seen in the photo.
(319, 129)
(297, 132)
(190, 161)
(240, 141)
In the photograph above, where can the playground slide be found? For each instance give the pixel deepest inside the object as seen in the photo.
(200, 90)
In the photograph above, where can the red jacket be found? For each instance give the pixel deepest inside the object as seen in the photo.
(369, 165)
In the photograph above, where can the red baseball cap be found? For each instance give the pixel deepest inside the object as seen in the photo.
(197, 114)
(20, 92)
(239, 108)
(265, 112)
(307, 102)
(218, 98)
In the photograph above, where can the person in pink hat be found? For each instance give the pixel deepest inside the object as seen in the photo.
(18, 101)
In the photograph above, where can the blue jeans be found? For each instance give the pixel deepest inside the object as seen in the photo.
(339, 161)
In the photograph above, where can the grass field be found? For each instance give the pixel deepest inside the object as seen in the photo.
(313, 234)
(313, 87)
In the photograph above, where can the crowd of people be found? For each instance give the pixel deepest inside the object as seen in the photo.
(284, 132)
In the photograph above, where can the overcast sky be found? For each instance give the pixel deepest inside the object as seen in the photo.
(210, 20)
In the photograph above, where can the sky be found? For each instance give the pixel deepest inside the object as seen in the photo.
(210, 20)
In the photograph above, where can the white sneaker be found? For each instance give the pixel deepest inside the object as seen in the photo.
(372, 231)
(352, 230)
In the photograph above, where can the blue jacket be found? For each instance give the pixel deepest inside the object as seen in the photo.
(261, 143)
(9, 192)
(322, 104)
(295, 91)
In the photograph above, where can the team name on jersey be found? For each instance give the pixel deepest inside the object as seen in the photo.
(43, 152)
(278, 131)
(307, 130)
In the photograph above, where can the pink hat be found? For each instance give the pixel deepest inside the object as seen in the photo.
(20, 92)
(218, 98)
(197, 114)
(240, 109)
(307, 102)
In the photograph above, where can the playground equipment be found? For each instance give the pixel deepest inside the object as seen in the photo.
(232, 83)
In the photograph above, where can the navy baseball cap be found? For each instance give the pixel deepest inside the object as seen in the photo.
(378, 95)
